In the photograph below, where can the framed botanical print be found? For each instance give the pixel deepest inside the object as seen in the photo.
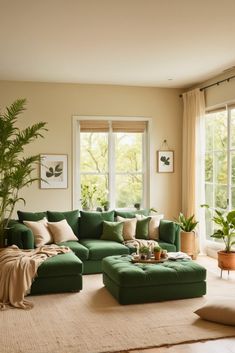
(165, 161)
(53, 171)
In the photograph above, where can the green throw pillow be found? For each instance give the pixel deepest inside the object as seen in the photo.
(31, 216)
(112, 231)
(131, 214)
(70, 216)
(167, 231)
(91, 223)
(142, 228)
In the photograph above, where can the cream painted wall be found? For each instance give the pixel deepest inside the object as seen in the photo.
(56, 103)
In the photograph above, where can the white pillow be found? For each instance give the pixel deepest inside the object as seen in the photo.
(221, 311)
(129, 227)
(40, 231)
(153, 225)
(61, 231)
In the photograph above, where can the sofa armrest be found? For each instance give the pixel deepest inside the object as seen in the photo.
(20, 235)
(169, 232)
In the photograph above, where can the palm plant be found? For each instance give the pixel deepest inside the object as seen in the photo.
(15, 168)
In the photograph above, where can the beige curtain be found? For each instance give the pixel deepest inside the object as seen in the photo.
(194, 111)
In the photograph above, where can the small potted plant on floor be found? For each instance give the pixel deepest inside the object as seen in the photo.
(187, 234)
(225, 231)
(157, 252)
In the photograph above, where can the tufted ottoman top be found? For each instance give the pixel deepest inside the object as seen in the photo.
(127, 274)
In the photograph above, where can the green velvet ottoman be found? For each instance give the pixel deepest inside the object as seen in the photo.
(60, 273)
(141, 283)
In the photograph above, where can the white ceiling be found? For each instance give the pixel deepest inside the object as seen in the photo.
(164, 43)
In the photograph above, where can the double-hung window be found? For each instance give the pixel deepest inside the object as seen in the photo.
(111, 158)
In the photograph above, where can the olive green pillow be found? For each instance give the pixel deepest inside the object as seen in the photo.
(70, 216)
(142, 228)
(112, 231)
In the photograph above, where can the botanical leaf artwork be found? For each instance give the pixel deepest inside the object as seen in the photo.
(55, 171)
(165, 160)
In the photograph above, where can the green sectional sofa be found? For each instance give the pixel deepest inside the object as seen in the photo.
(90, 249)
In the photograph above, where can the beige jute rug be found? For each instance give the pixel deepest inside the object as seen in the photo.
(92, 321)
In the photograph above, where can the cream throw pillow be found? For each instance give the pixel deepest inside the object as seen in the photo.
(61, 231)
(221, 311)
(40, 231)
(153, 225)
(129, 227)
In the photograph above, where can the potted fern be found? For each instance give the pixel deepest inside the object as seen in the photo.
(187, 234)
(15, 167)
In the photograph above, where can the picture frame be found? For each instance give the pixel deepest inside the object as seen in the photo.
(53, 171)
(165, 161)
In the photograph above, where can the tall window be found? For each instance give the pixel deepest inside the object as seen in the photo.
(111, 163)
(219, 162)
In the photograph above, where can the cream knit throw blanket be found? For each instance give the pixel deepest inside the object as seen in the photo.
(18, 268)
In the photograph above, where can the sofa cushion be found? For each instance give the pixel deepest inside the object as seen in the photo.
(129, 227)
(153, 225)
(40, 231)
(98, 249)
(70, 216)
(142, 228)
(60, 265)
(30, 216)
(132, 214)
(61, 231)
(167, 246)
(91, 223)
(221, 311)
(167, 231)
(79, 250)
(112, 231)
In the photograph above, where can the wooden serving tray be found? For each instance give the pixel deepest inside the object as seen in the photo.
(149, 261)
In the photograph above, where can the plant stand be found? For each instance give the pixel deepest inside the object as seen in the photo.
(226, 262)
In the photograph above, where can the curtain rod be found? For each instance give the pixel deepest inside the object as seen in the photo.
(215, 84)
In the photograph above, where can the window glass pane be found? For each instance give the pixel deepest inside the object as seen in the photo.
(128, 152)
(209, 225)
(220, 167)
(216, 131)
(233, 127)
(128, 190)
(233, 167)
(233, 197)
(209, 130)
(220, 197)
(209, 194)
(209, 167)
(94, 190)
(94, 152)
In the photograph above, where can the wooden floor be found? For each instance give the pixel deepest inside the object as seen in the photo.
(226, 345)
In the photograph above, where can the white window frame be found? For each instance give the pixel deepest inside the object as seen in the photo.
(212, 245)
(76, 191)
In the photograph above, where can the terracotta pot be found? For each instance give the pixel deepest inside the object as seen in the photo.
(157, 255)
(226, 260)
